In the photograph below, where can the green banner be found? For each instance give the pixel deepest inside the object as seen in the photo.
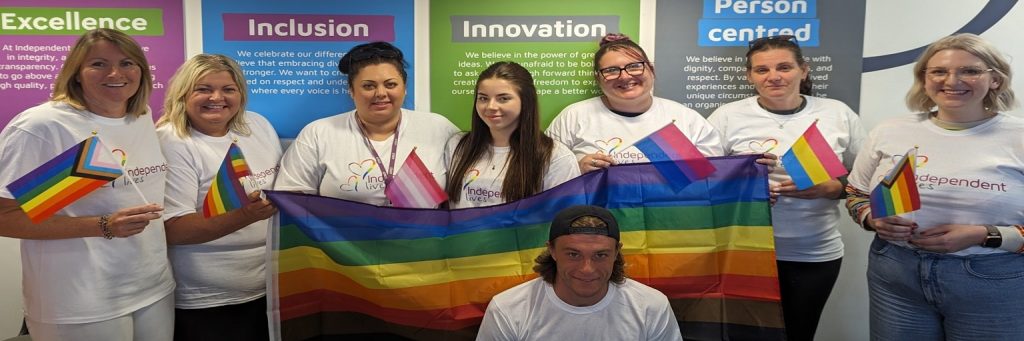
(75, 21)
(555, 40)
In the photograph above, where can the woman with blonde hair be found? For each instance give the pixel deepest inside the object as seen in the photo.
(954, 268)
(218, 261)
(97, 269)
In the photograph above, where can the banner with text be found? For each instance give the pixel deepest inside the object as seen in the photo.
(36, 36)
(556, 41)
(704, 66)
(289, 51)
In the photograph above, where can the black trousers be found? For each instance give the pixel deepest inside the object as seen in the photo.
(246, 321)
(805, 287)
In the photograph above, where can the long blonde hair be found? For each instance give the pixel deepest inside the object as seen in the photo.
(184, 82)
(68, 89)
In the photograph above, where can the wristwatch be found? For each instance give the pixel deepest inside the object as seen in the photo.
(993, 238)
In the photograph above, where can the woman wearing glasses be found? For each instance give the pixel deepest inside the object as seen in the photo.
(808, 246)
(953, 269)
(596, 128)
(353, 155)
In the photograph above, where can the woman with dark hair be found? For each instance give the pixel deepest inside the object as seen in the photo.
(505, 156)
(954, 269)
(808, 246)
(355, 154)
(97, 269)
(595, 129)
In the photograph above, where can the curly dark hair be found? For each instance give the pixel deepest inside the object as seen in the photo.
(374, 53)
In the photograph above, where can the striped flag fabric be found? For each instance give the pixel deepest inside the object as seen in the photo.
(413, 186)
(342, 269)
(675, 156)
(897, 193)
(226, 191)
(811, 161)
(73, 174)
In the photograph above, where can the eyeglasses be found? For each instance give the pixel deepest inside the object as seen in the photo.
(759, 42)
(614, 72)
(964, 73)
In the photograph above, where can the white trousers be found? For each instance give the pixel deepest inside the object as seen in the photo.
(151, 323)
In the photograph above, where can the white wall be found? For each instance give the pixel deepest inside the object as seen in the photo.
(891, 26)
(895, 26)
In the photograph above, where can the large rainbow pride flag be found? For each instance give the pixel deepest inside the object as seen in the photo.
(345, 269)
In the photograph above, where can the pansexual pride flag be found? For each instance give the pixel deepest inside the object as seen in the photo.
(675, 157)
(811, 161)
(68, 177)
(897, 193)
(350, 270)
(413, 186)
(226, 191)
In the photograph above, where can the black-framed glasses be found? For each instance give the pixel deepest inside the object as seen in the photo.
(614, 72)
(964, 73)
(759, 42)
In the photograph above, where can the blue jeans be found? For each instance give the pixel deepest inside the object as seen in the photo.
(922, 296)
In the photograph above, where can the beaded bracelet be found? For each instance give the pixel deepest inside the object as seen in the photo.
(104, 220)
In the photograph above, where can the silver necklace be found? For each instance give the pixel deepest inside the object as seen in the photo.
(790, 113)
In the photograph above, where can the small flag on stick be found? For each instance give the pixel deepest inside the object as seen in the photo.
(414, 186)
(675, 157)
(897, 193)
(64, 179)
(226, 192)
(811, 161)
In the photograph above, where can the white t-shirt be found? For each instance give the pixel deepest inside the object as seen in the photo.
(482, 184)
(532, 311)
(329, 157)
(83, 280)
(230, 269)
(588, 127)
(973, 176)
(805, 229)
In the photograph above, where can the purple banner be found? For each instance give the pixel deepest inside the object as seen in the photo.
(29, 63)
(308, 27)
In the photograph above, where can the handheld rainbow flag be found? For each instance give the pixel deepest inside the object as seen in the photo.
(897, 193)
(66, 178)
(413, 186)
(675, 157)
(226, 192)
(811, 161)
(343, 269)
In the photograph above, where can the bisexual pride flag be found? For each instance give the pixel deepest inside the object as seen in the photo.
(66, 178)
(897, 193)
(342, 269)
(226, 191)
(675, 156)
(811, 161)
